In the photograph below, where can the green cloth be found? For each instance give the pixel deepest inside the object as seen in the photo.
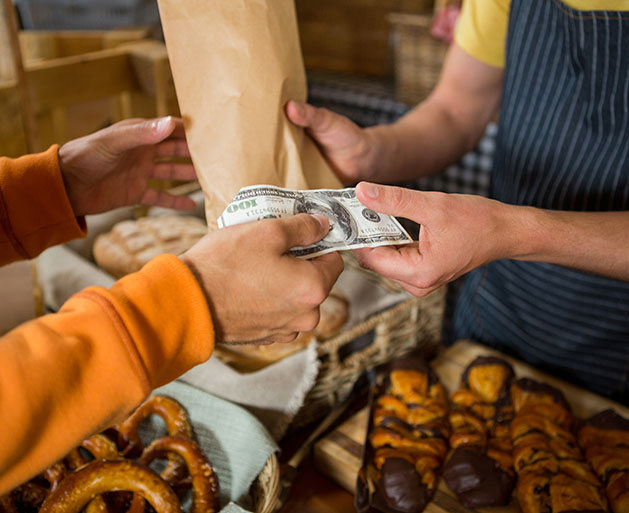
(236, 443)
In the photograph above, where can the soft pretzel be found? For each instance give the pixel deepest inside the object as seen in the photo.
(553, 476)
(407, 440)
(605, 439)
(177, 424)
(204, 481)
(99, 477)
(480, 469)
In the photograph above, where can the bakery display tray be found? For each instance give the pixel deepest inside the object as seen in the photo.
(338, 455)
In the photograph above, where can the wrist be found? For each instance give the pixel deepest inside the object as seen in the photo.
(378, 157)
(194, 270)
(64, 154)
(523, 235)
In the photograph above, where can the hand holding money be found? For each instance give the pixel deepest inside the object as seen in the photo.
(352, 225)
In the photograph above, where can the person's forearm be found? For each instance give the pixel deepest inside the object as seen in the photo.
(68, 375)
(439, 131)
(596, 242)
(422, 143)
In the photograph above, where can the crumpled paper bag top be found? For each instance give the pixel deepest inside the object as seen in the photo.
(235, 64)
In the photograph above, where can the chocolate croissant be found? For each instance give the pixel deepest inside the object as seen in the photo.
(605, 440)
(480, 469)
(407, 440)
(553, 476)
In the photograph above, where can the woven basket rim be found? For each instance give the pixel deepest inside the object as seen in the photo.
(267, 486)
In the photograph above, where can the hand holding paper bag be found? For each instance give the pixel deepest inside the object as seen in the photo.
(235, 64)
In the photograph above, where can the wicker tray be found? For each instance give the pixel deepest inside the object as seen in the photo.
(413, 323)
(418, 56)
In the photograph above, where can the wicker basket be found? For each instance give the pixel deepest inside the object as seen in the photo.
(418, 56)
(266, 489)
(414, 323)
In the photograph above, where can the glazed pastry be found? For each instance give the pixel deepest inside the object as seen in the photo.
(480, 469)
(407, 440)
(605, 440)
(553, 476)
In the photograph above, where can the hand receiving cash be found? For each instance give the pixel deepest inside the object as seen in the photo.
(352, 225)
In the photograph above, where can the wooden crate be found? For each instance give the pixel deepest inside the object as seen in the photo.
(350, 36)
(78, 82)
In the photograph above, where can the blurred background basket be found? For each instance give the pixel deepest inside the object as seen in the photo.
(86, 14)
(343, 360)
(418, 56)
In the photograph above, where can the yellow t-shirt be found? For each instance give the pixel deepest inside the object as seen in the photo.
(482, 27)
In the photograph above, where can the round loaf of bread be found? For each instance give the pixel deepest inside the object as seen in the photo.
(131, 244)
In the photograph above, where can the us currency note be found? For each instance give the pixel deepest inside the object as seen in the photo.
(352, 225)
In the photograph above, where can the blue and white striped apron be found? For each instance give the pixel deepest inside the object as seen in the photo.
(563, 144)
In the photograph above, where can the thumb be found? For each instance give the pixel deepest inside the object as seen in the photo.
(127, 136)
(302, 230)
(395, 201)
(313, 118)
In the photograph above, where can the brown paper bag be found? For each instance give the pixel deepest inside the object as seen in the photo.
(235, 64)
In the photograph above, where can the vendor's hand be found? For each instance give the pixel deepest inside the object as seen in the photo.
(345, 145)
(458, 233)
(256, 291)
(111, 168)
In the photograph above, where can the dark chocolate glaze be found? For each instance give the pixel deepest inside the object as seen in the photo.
(608, 419)
(477, 480)
(486, 360)
(400, 488)
(532, 385)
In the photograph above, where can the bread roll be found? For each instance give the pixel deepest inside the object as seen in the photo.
(131, 244)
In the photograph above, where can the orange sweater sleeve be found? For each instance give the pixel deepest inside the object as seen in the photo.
(35, 212)
(68, 375)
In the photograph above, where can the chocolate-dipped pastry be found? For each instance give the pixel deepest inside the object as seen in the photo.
(406, 440)
(553, 476)
(604, 438)
(480, 468)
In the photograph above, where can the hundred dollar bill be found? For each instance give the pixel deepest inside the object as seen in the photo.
(352, 225)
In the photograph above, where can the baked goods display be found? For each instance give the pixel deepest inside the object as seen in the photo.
(407, 440)
(604, 438)
(112, 471)
(553, 476)
(249, 358)
(480, 468)
(131, 244)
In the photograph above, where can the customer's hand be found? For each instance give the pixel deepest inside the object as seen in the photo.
(458, 233)
(345, 145)
(111, 168)
(256, 291)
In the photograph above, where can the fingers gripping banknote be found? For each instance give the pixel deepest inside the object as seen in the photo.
(352, 225)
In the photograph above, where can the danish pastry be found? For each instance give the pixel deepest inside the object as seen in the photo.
(604, 438)
(407, 440)
(553, 476)
(480, 469)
